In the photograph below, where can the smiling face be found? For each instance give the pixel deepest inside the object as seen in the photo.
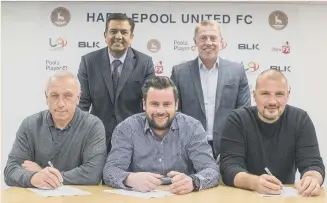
(160, 108)
(271, 96)
(118, 37)
(207, 40)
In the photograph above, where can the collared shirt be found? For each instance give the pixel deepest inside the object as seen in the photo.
(184, 148)
(57, 134)
(122, 60)
(78, 151)
(209, 79)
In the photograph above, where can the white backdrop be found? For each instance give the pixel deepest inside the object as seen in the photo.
(32, 45)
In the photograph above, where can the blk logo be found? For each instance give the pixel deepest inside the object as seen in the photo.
(248, 47)
(281, 68)
(88, 45)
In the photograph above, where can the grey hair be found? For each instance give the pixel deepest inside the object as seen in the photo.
(208, 22)
(61, 74)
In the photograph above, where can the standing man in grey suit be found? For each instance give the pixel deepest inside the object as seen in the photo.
(210, 87)
(111, 78)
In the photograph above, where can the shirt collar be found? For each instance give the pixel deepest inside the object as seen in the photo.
(201, 65)
(173, 126)
(75, 117)
(122, 58)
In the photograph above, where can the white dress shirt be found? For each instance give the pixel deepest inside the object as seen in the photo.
(209, 79)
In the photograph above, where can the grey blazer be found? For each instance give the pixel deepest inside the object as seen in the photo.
(232, 92)
(95, 77)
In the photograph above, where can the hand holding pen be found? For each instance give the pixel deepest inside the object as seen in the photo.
(269, 173)
(47, 178)
(60, 178)
(268, 184)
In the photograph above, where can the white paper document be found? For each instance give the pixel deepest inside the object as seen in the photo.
(147, 195)
(287, 192)
(60, 191)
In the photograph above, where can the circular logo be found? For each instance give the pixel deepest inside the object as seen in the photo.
(252, 67)
(278, 20)
(154, 45)
(60, 17)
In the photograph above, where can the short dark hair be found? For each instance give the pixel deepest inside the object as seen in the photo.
(160, 83)
(120, 16)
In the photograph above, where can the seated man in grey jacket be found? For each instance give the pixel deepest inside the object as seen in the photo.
(62, 145)
(160, 146)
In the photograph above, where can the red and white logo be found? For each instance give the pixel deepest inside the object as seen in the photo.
(285, 49)
(251, 67)
(159, 68)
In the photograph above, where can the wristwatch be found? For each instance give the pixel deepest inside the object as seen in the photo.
(195, 182)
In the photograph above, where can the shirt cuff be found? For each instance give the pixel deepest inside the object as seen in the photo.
(229, 175)
(27, 176)
(121, 183)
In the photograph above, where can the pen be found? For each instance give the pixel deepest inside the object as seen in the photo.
(267, 170)
(51, 165)
(269, 173)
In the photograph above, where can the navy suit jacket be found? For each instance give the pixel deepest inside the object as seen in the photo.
(97, 94)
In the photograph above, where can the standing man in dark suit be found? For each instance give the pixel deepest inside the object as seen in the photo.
(210, 87)
(111, 78)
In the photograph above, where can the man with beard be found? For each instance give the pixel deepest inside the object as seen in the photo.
(111, 78)
(160, 144)
(273, 138)
(211, 87)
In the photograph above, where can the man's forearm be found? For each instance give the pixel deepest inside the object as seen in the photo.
(17, 176)
(115, 177)
(314, 174)
(246, 181)
(83, 175)
(208, 178)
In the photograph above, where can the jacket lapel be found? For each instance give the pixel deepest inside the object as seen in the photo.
(106, 72)
(220, 82)
(128, 66)
(195, 73)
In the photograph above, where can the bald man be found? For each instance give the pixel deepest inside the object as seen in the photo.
(274, 138)
(62, 145)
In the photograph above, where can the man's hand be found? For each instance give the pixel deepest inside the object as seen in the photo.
(31, 166)
(143, 181)
(268, 184)
(308, 186)
(181, 183)
(47, 178)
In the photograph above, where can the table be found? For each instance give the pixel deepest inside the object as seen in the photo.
(220, 194)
